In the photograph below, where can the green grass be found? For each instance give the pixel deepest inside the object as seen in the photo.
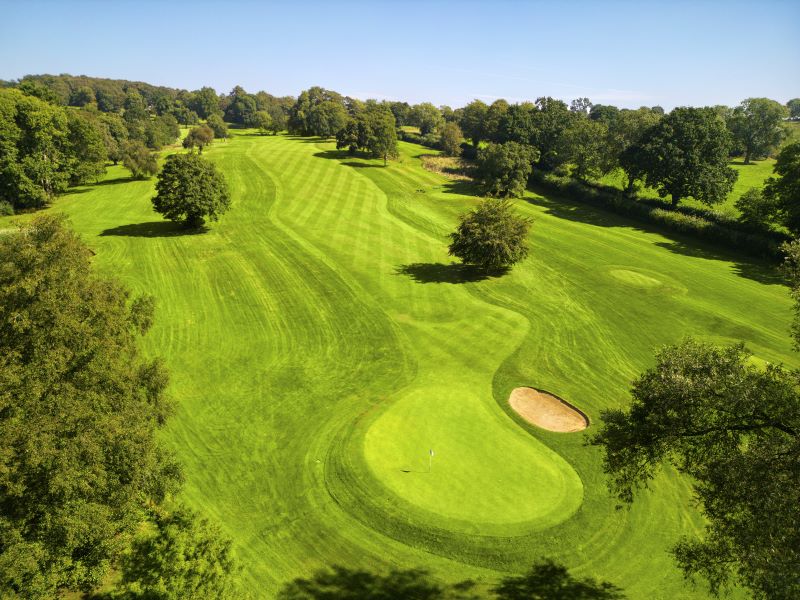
(320, 343)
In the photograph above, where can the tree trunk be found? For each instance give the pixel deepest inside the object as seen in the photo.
(675, 200)
(747, 157)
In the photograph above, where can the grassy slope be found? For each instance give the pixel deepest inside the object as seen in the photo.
(320, 343)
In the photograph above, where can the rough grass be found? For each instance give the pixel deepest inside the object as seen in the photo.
(321, 342)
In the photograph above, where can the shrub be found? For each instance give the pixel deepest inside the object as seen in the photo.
(6, 210)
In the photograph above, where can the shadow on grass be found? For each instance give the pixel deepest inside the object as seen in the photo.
(546, 579)
(153, 229)
(748, 267)
(447, 273)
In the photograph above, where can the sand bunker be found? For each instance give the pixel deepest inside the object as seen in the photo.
(547, 411)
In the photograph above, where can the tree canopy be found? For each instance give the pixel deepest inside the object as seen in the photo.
(139, 160)
(503, 169)
(79, 411)
(185, 558)
(783, 188)
(756, 126)
(190, 189)
(198, 137)
(451, 139)
(685, 154)
(371, 130)
(734, 427)
(491, 236)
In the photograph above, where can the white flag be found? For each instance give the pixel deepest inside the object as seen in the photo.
(431, 451)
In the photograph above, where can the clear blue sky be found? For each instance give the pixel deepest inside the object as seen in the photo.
(445, 51)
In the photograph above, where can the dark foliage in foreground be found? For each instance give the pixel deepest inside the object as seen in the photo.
(79, 411)
(735, 429)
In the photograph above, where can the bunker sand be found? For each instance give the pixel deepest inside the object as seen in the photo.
(547, 411)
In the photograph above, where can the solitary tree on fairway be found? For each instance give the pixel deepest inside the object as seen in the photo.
(198, 137)
(491, 236)
(685, 154)
(735, 429)
(190, 189)
(503, 169)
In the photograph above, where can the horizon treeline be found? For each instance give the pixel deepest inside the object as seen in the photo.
(82, 122)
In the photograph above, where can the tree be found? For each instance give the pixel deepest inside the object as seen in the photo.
(585, 144)
(474, 121)
(684, 154)
(494, 118)
(241, 107)
(783, 188)
(734, 428)
(548, 580)
(115, 134)
(139, 160)
(218, 126)
(205, 102)
(87, 150)
(278, 118)
(550, 122)
(198, 137)
(190, 189)
(427, 117)
(756, 126)
(327, 118)
(160, 131)
(306, 117)
(793, 106)
(451, 139)
(373, 130)
(135, 107)
(517, 124)
(625, 129)
(34, 150)
(503, 169)
(581, 105)
(604, 112)
(263, 121)
(79, 412)
(491, 236)
(82, 96)
(186, 558)
(757, 209)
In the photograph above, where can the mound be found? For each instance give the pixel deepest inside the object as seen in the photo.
(546, 411)
(634, 278)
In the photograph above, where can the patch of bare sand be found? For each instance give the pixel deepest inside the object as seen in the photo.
(547, 411)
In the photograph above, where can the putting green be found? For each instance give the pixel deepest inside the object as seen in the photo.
(485, 469)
